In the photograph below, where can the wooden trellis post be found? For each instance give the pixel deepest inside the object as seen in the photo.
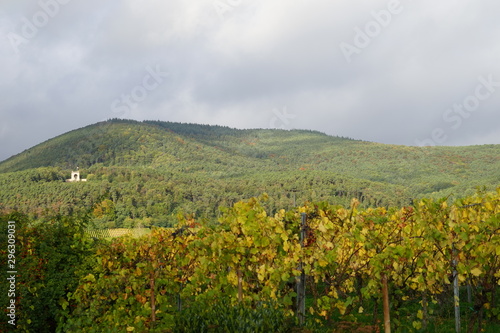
(456, 290)
(301, 281)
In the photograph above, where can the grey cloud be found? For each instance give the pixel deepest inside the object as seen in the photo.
(259, 56)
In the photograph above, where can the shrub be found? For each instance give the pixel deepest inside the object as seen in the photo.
(224, 317)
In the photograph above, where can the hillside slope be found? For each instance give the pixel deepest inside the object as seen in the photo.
(148, 172)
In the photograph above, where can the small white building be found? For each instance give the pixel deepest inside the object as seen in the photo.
(75, 177)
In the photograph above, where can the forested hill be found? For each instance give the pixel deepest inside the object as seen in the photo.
(148, 172)
(154, 143)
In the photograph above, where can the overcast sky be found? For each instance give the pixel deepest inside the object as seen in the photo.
(400, 72)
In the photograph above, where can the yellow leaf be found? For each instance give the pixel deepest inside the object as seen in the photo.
(130, 329)
(361, 310)
(476, 271)
(90, 278)
(354, 203)
(341, 308)
(231, 277)
(420, 314)
(333, 293)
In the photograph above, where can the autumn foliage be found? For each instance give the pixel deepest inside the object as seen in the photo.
(250, 258)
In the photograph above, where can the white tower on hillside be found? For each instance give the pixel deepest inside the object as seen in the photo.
(75, 176)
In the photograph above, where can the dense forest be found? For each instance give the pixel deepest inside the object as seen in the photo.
(150, 173)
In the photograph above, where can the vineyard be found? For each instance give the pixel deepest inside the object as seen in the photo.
(430, 267)
(116, 232)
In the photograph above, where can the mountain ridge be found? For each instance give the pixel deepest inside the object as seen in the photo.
(203, 133)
